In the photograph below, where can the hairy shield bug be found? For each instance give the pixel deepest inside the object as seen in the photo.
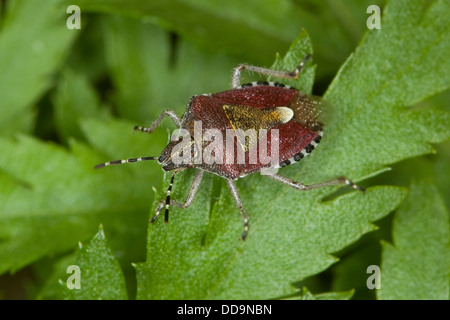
(237, 124)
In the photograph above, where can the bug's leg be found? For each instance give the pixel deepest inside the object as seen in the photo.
(169, 113)
(189, 199)
(158, 210)
(236, 79)
(131, 160)
(303, 187)
(166, 201)
(238, 201)
(192, 191)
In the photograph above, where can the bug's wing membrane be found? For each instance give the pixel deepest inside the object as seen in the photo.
(308, 111)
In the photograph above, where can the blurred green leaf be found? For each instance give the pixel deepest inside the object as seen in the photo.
(191, 19)
(253, 30)
(88, 53)
(52, 274)
(50, 199)
(148, 79)
(417, 264)
(29, 42)
(74, 100)
(101, 277)
(351, 271)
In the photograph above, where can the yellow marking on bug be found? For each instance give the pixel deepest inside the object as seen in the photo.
(250, 120)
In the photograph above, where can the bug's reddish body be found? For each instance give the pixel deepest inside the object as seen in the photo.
(293, 137)
(261, 106)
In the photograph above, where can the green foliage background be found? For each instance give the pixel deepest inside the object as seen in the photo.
(70, 98)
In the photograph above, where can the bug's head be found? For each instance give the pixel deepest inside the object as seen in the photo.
(165, 159)
(178, 153)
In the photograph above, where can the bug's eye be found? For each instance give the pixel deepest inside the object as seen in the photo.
(179, 135)
(177, 138)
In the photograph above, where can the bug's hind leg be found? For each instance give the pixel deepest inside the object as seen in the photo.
(169, 113)
(238, 201)
(302, 187)
(236, 80)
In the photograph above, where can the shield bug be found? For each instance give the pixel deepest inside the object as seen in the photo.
(288, 115)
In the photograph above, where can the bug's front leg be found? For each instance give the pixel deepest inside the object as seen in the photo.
(189, 199)
(169, 113)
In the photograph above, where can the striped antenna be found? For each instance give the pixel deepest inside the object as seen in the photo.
(131, 160)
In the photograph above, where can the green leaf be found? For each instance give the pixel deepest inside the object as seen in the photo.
(291, 235)
(29, 41)
(74, 100)
(394, 67)
(351, 271)
(192, 20)
(252, 30)
(100, 275)
(53, 273)
(50, 199)
(147, 78)
(417, 264)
